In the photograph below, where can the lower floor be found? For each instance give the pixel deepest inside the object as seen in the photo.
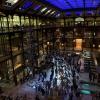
(62, 81)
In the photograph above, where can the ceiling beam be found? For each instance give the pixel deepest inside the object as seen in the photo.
(68, 4)
(48, 4)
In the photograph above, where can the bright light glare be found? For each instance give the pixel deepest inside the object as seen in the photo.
(43, 9)
(12, 1)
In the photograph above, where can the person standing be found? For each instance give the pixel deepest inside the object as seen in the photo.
(37, 97)
(81, 64)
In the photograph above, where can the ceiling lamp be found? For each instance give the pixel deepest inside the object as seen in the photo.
(57, 15)
(44, 9)
(12, 2)
(52, 12)
(48, 12)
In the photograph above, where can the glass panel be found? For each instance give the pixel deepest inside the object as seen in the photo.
(4, 46)
(69, 44)
(6, 74)
(88, 43)
(4, 24)
(17, 61)
(16, 22)
(22, 21)
(26, 21)
(16, 43)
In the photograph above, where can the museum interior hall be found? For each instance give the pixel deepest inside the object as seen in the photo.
(49, 49)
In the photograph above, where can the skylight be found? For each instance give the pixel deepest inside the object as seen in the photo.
(26, 5)
(73, 4)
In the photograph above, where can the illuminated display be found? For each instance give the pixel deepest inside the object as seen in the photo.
(70, 4)
(78, 44)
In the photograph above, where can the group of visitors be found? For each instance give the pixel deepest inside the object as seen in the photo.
(5, 97)
(61, 81)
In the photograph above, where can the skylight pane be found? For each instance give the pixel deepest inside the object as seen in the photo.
(89, 5)
(63, 4)
(37, 7)
(26, 5)
(59, 3)
(96, 3)
(80, 4)
(71, 4)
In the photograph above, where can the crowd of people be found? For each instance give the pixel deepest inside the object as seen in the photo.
(63, 78)
(5, 97)
(61, 82)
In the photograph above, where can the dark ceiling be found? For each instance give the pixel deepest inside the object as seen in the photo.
(53, 8)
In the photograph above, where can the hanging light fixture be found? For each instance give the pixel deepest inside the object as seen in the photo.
(12, 2)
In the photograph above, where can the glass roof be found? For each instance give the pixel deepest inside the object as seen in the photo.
(72, 4)
(70, 7)
(26, 5)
